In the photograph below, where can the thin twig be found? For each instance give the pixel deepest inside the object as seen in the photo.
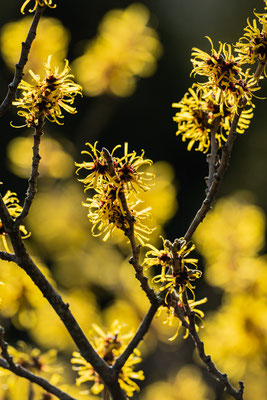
(106, 395)
(8, 256)
(211, 158)
(25, 50)
(139, 335)
(31, 392)
(211, 367)
(32, 182)
(7, 362)
(24, 373)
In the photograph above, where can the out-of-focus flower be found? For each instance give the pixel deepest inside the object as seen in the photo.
(237, 334)
(21, 298)
(12, 203)
(230, 240)
(125, 48)
(234, 226)
(53, 38)
(54, 237)
(83, 305)
(187, 381)
(45, 98)
(56, 163)
(41, 3)
(33, 359)
(109, 346)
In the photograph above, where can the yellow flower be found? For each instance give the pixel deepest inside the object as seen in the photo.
(253, 45)
(221, 67)
(113, 183)
(171, 317)
(98, 168)
(12, 203)
(109, 346)
(126, 170)
(124, 49)
(41, 3)
(179, 275)
(199, 108)
(159, 257)
(106, 213)
(127, 174)
(45, 98)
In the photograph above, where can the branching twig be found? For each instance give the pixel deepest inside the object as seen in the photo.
(25, 50)
(32, 183)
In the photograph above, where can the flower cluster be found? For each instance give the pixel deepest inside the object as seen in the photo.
(12, 203)
(41, 3)
(253, 45)
(198, 112)
(109, 346)
(175, 275)
(116, 182)
(208, 108)
(45, 98)
(174, 278)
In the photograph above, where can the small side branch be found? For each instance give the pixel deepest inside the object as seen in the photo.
(32, 183)
(8, 256)
(24, 373)
(26, 47)
(142, 330)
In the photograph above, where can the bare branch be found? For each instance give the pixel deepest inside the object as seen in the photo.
(7, 362)
(211, 367)
(142, 330)
(211, 158)
(8, 256)
(25, 50)
(24, 373)
(63, 311)
(32, 183)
